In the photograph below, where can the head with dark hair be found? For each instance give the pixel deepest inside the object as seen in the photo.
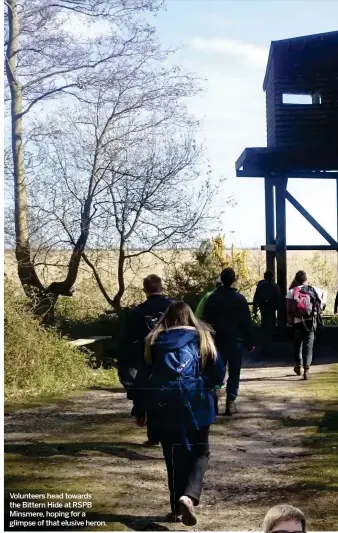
(152, 284)
(268, 275)
(300, 277)
(228, 277)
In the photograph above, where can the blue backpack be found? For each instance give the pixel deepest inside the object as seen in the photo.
(177, 390)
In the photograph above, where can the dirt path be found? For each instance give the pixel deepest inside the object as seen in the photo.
(89, 444)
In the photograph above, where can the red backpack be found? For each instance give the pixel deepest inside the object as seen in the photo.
(305, 302)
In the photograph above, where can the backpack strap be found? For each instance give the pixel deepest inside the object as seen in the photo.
(316, 309)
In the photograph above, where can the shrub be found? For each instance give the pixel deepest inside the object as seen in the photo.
(331, 320)
(37, 361)
(190, 280)
(84, 305)
(324, 271)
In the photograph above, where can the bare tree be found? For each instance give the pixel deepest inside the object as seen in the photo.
(134, 141)
(152, 202)
(44, 60)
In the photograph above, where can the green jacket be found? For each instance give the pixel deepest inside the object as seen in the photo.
(200, 308)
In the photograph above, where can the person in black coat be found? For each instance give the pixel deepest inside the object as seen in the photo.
(174, 395)
(267, 299)
(336, 304)
(227, 311)
(140, 321)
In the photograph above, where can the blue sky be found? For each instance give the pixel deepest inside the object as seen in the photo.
(227, 43)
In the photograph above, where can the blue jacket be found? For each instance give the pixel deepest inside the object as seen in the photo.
(174, 391)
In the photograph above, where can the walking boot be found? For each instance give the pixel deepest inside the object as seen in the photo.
(187, 510)
(230, 408)
(306, 375)
(297, 370)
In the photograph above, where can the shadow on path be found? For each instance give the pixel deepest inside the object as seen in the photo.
(42, 449)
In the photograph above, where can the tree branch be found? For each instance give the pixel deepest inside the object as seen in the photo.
(45, 95)
(98, 279)
(74, 68)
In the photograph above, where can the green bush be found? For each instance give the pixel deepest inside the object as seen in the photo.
(191, 279)
(331, 320)
(38, 361)
(84, 305)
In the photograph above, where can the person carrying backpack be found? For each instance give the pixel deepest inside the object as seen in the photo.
(175, 397)
(304, 306)
(140, 322)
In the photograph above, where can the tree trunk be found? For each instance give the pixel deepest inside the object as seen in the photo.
(43, 299)
(26, 270)
(120, 277)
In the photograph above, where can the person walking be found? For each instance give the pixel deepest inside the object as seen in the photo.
(227, 311)
(199, 313)
(140, 321)
(335, 310)
(304, 306)
(267, 300)
(175, 397)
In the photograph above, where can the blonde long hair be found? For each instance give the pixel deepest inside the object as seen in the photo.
(180, 315)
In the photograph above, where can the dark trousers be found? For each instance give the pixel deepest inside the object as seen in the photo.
(232, 356)
(152, 434)
(186, 468)
(268, 324)
(303, 340)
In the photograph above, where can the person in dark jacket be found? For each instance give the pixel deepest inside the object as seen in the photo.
(140, 322)
(227, 311)
(336, 304)
(175, 396)
(267, 299)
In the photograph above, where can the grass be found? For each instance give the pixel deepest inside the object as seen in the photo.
(317, 472)
(38, 362)
(324, 386)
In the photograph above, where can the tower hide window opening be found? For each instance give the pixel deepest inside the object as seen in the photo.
(302, 99)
